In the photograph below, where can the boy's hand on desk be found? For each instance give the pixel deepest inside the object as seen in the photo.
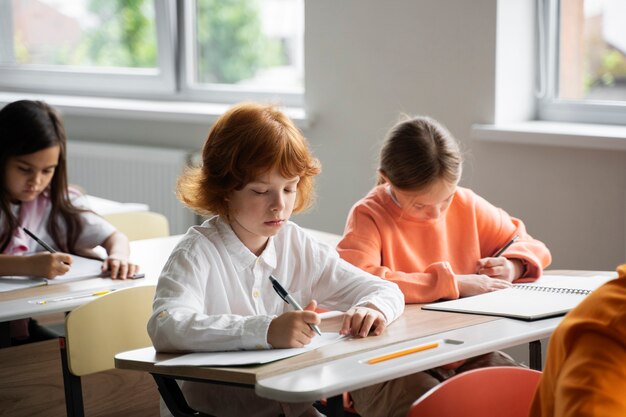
(48, 265)
(475, 284)
(359, 321)
(291, 329)
(120, 268)
(501, 268)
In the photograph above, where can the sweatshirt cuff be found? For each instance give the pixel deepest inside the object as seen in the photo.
(446, 283)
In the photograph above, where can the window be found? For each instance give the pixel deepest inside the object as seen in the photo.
(582, 60)
(205, 50)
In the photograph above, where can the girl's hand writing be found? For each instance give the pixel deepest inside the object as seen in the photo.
(360, 321)
(49, 265)
(475, 284)
(291, 329)
(501, 268)
(120, 268)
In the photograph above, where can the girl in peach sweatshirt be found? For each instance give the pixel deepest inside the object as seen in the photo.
(434, 239)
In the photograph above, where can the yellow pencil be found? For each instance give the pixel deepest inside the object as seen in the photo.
(73, 297)
(403, 353)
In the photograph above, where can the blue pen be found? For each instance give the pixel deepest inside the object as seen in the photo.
(289, 300)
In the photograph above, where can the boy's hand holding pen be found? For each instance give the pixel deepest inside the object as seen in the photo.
(293, 328)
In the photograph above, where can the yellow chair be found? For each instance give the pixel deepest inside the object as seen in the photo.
(96, 331)
(137, 225)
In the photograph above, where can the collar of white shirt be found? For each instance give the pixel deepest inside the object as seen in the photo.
(242, 257)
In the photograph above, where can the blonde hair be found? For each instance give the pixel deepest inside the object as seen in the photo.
(418, 151)
(245, 142)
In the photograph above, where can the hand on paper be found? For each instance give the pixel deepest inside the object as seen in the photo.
(117, 262)
(291, 329)
(48, 265)
(501, 268)
(360, 321)
(475, 284)
(120, 268)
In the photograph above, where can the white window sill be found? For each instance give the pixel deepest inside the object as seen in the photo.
(142, 110)
(576, 135)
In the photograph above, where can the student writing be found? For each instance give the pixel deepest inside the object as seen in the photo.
(215, 293)
(434, 239)
(35, 195)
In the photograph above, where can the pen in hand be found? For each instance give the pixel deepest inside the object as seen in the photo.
(289, 300)
(41, 242)
(500, 251)
(505, 247)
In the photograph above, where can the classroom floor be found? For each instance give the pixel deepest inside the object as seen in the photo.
(31, 384)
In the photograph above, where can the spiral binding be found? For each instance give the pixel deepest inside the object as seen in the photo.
(553, 289)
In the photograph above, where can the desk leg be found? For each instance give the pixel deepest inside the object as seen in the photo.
(174, 398)
(535, 355)
(5, 334)
(335, 406)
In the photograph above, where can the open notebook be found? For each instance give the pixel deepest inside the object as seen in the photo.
(81, 268)
(549, 296)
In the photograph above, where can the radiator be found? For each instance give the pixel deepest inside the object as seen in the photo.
(132, 174)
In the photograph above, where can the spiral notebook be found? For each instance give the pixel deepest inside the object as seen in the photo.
(549, 296)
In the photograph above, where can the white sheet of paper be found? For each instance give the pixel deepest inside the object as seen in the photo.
(81, 268)
(248, 357)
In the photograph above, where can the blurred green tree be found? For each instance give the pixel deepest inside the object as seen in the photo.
(124, 36)
(230, 43)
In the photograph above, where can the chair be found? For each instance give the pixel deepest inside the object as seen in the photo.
(487, 392)
(96, 331)
(137, 225)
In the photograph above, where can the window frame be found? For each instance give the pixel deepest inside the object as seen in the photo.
(118, 82)
(549, 106)
(171, 81)
(218, 93)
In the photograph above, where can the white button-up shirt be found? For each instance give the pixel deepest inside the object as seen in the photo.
(214, 294)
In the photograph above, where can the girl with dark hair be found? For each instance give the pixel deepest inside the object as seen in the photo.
(34, 194)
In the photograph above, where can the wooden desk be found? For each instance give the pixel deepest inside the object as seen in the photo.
(333, 369)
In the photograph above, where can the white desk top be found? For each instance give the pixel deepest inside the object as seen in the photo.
(332, 378)
(149, 254)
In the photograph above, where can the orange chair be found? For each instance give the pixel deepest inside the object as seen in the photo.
(487, 392)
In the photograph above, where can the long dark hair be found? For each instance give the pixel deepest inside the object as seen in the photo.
(27, 127)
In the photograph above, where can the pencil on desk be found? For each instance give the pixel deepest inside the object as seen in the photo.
(404, 352)
(73, 297)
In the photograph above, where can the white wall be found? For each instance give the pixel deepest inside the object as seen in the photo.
(367, 61)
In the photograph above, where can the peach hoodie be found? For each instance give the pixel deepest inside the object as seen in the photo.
(422, 257)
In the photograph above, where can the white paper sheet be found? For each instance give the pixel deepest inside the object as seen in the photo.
(248, 357)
